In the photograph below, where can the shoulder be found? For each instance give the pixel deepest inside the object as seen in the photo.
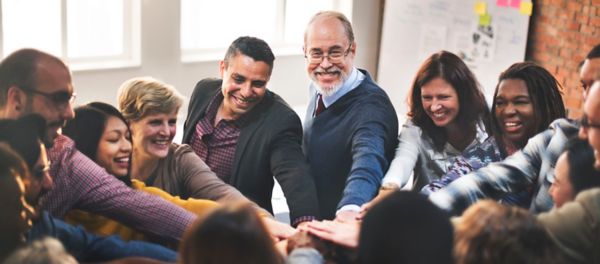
(590, 199)
(179, 150)
(276, 109)
(204, 88)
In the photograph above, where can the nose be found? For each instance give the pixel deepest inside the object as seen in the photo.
(246, 90)
(509, 109)
(67, 113)
(325, 63)
(435, 106)
(164, 130)
(583, 133)
(126, 146)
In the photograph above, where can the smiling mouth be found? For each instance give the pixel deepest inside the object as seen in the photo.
(512, 127)
(161, 142)
(122, 160)
(244, 101)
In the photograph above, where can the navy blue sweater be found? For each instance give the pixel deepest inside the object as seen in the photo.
(349, 146)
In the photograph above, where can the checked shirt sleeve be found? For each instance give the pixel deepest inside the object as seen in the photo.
(82, 184)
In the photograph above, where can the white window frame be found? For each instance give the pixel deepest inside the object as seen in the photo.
(279, 46)
(131, 56)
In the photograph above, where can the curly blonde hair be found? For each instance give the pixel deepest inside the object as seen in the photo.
(139, 97)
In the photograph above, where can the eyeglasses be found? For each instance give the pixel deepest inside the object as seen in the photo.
(585, 123)
(61, 99)
(334, 56)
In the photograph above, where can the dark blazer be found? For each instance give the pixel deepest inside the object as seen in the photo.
(270, 144)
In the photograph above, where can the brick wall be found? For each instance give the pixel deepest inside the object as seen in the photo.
(561, 33)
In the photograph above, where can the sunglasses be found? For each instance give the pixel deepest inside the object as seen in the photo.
(585, 123)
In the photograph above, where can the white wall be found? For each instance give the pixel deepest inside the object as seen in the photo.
(161, 57)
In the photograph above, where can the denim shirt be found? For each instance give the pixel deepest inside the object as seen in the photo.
(87, 247)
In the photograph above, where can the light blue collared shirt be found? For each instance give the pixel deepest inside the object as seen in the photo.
(356, 77)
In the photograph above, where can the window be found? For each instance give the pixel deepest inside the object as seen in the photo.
(86, 33)
(208, 27)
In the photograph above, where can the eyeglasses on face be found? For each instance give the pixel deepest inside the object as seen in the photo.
(60, 99)
(585, 123)
(334, 55)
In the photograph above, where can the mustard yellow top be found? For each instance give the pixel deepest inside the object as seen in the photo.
(104, 226)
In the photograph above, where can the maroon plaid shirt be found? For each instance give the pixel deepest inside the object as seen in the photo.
(216, 144)
(79, 183)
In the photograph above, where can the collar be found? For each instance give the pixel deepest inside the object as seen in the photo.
(354, 80)
(213, 108)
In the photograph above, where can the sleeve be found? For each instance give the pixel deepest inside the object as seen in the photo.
(377, 127)
(101, 193)
(200, 181)
(406, 156)
(305, 256)
(290, 168)
(574, 227)
(197, 206)
(87, 247)
(515, 173)
(470, 160)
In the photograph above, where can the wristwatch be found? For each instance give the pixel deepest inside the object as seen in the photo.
(388, 186)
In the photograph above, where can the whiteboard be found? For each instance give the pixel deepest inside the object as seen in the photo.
(413, 30)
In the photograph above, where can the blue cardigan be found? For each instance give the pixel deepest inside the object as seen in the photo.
(349, 146)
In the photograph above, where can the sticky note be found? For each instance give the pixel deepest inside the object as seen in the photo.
(502, 2)
(515, 4)
(526, 8)
(485, 20)
(480, 8)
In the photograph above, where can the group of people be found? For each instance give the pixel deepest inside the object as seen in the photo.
(111, 185)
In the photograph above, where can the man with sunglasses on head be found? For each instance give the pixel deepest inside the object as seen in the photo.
(351, 126)
(532, 167)
(32, 81)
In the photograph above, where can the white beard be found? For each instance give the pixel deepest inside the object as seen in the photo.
(328, 91)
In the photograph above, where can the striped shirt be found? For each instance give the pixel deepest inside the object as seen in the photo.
(532, 167)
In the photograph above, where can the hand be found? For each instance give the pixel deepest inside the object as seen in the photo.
(277, 229)
(365, 207)
(346, 216)
(341, 233)
(281, 246)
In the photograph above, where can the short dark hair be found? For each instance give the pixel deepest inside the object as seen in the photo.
(544, 91)
(405, 227)
(24, 135)
(87, 128)
(594, 53)
(255, 48)
(19, 68)
(473, 107)
(582, 173)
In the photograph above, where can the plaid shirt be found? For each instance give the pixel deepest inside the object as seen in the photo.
(532, 167)
(79, 183)
(216, 144)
